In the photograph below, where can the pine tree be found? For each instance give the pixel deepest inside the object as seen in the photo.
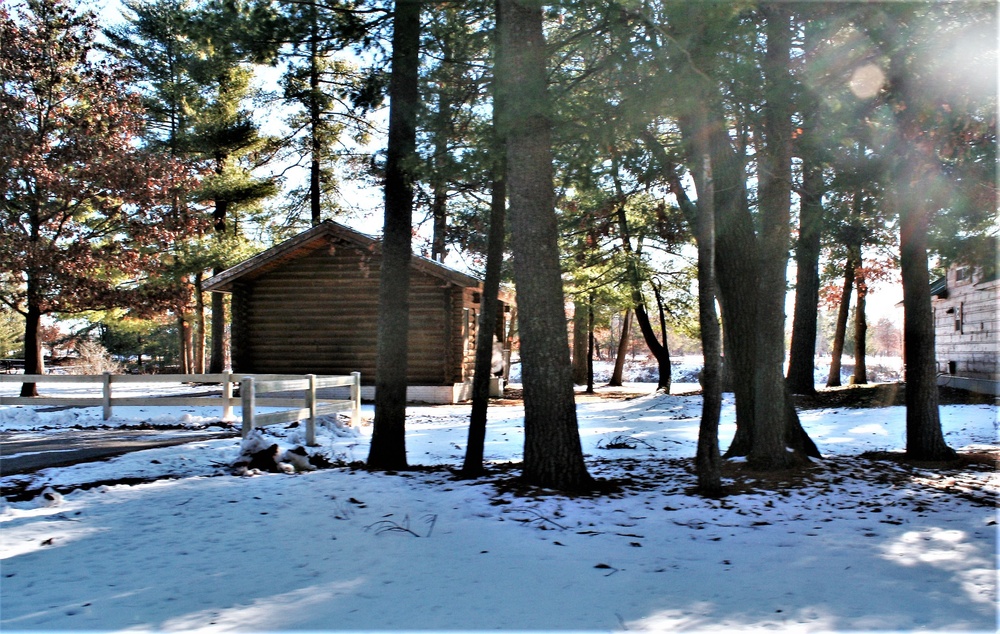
(552, 453)
(388, 447)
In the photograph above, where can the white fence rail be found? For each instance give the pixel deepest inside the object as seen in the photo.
(252, 387)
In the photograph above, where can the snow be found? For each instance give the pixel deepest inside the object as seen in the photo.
(854, 546)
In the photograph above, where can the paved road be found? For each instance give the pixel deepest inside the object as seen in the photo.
(22, 455)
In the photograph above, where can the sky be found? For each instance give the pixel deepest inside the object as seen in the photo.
(856, 546)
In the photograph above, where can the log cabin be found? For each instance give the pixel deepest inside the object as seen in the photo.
(966, 328)
(309, 306)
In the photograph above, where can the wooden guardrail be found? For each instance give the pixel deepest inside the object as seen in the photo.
(307, 408)
(252, 386)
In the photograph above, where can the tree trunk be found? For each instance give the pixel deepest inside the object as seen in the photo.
(708, 462)
(388, 446)
(769, 448)
(840, 331)
(581, 343)
(315, 121)
(198, 330)
(439, 202)
(801, 376)
(187, 346)
(474, 450)
(735, 259)
(553, 456)
(912, 174)
(34, 360)
(590, 345)
(924, 439)
(860, 332)
(616, 375)
(217, 357)
(663, 359)
(182, 344)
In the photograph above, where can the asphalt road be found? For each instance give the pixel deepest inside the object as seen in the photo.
(25, 454)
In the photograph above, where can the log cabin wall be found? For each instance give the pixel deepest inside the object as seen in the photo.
(318, 314)
(966, 326)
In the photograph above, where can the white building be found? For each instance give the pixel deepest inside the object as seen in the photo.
(966, 329)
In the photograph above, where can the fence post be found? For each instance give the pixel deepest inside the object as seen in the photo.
(356, 398)
(311, 404)
(247, 397)
(227, 395)
(106, 394)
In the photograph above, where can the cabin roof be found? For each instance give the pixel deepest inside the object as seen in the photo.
(316, 238)
(939, 288)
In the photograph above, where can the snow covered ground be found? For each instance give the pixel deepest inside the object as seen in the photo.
(856, 545)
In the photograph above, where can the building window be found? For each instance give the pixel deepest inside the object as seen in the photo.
(960, 319)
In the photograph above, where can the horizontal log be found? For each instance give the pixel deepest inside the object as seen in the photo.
(173, 401)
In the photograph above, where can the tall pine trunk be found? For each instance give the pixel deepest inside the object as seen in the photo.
(439, 185)
(580, 342)
(769, 446)
(708, 462)
(860, 332)
(590, 345)
(488, 316)
(217, 355)
(915, 164)
(616, 374)
(840, 329)
(553, 456)
(315, 122)
(474, 450)
(388, 446)
(924, 438)
(198, 336)
(735, 261)
(801, 377)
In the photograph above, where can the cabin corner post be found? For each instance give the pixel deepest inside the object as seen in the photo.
(247, 397)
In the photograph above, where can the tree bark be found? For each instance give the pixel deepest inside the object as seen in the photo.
(860, 332)
(840, 330)
(217, 356)
(439, 201)
(924, 438)
(34, 360)
(801, 377)
(490, 307)
(616, 375)
(198, 335)
(769, 447)
(315, 121)
(708, 462)
(581, 343)
(553, 456)
(914, 167)
(663, 358)
(735, 260)
(388, 446)
(590, 345)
